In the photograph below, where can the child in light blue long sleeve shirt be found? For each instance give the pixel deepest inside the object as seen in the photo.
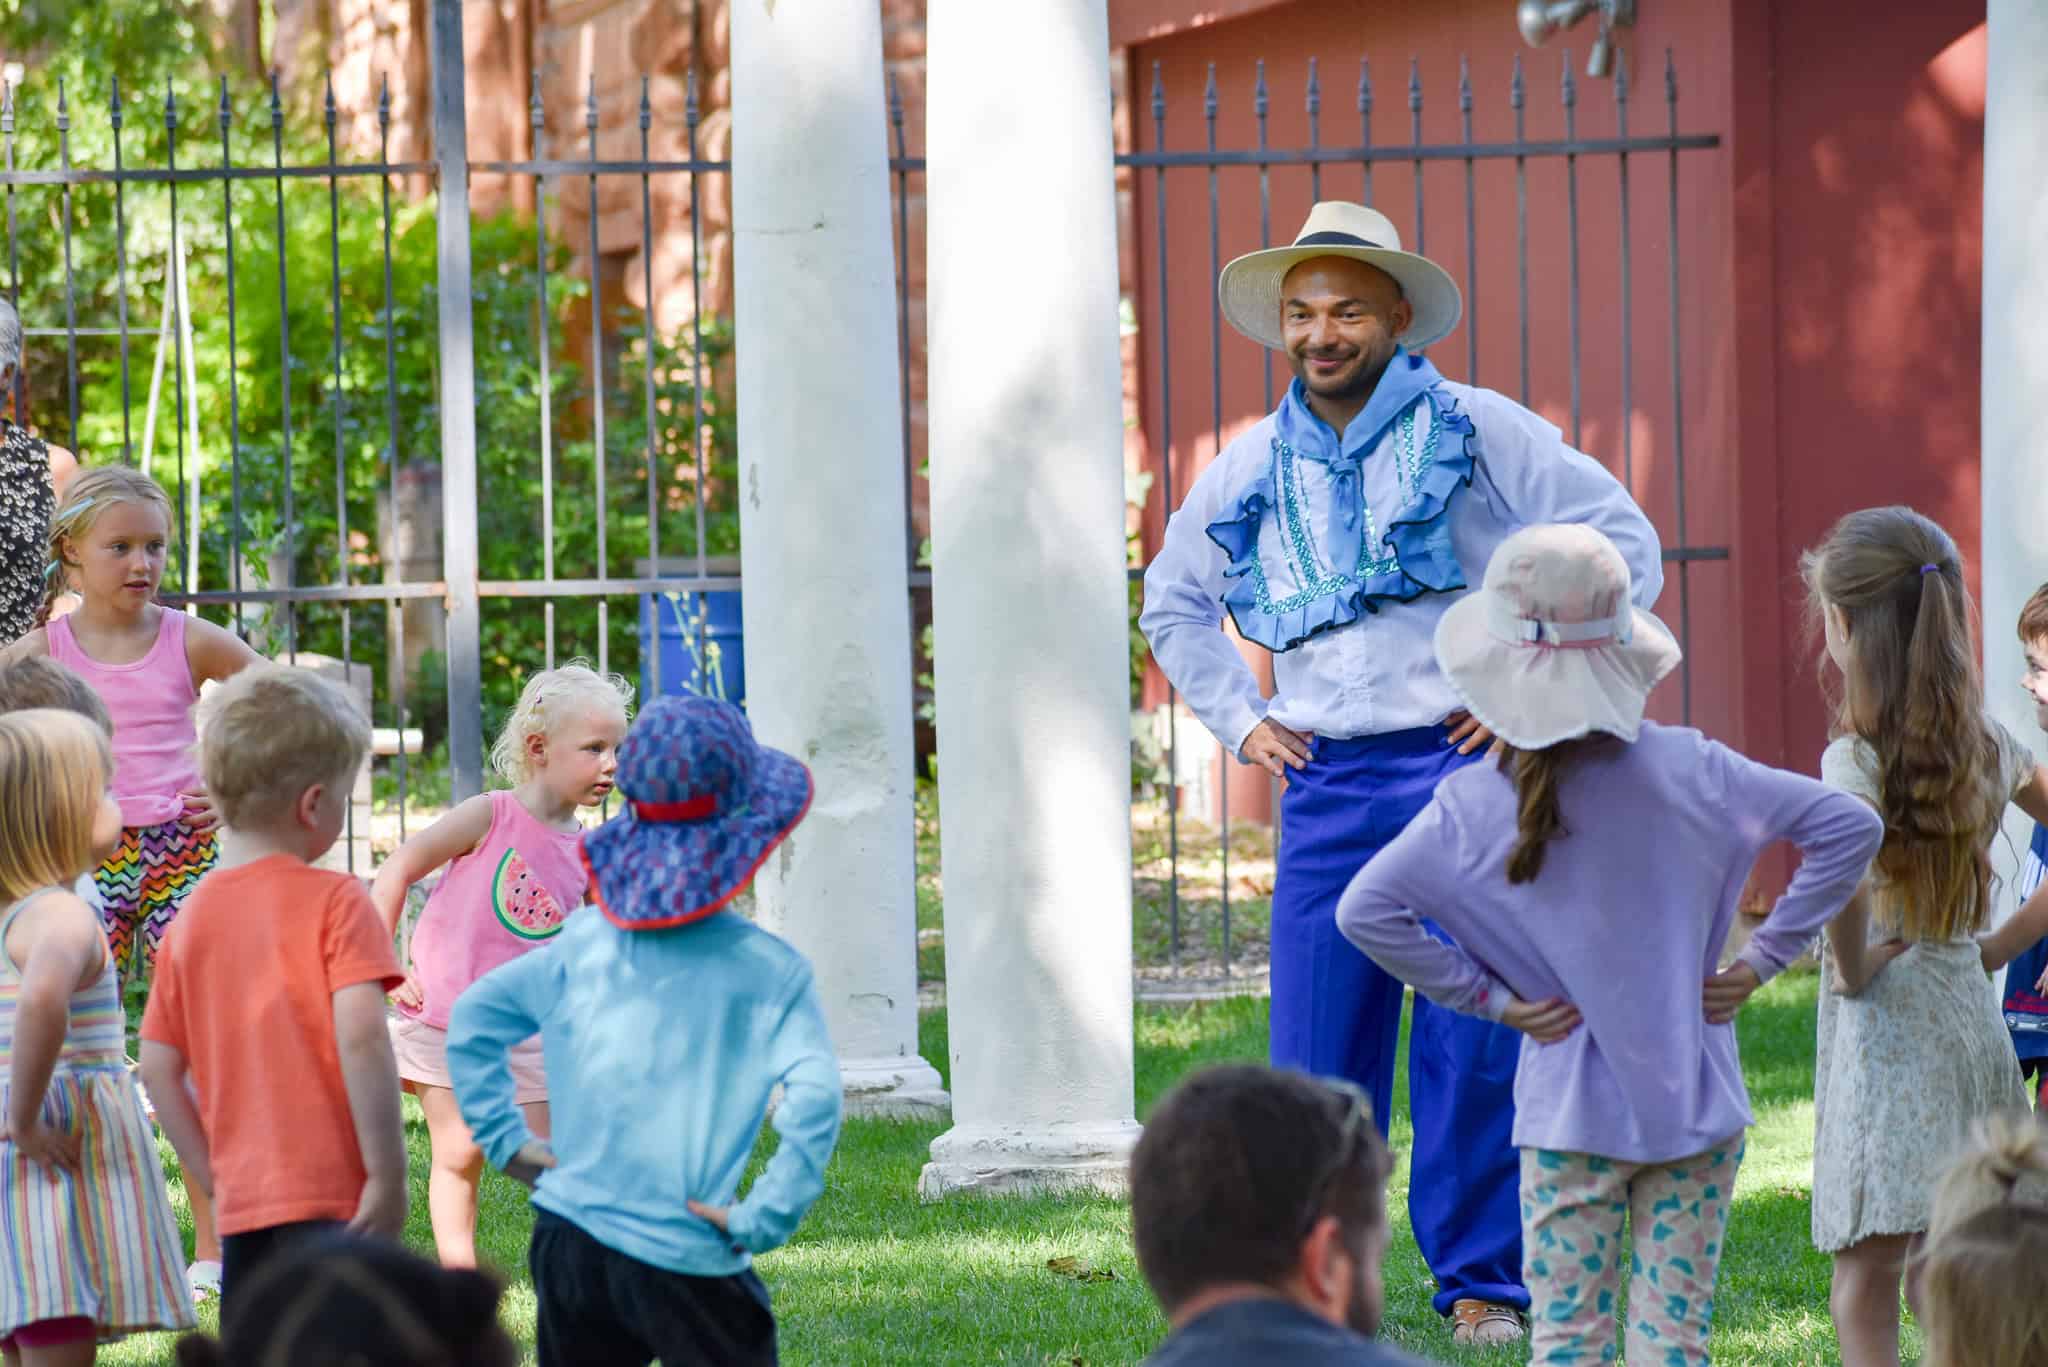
(665, 1024)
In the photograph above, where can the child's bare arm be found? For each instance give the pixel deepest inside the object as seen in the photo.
(455, 834)
(163, 1077)
(58, 944)
(35, 643)
(1857, 961)
(215, 653)
(2027, 925)
(370, 1077)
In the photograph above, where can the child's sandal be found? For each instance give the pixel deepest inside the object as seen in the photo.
(1476, 1323)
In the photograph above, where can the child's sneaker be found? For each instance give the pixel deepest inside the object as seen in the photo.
(204, 1280)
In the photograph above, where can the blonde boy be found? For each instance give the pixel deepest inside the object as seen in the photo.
(269, 988)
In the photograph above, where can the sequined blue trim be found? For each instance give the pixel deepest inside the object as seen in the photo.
(1414, 555)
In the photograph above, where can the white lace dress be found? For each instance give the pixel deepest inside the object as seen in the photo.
(1902, 1070)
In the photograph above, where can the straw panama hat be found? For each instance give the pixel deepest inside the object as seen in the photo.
(1249, 288)
(1550, 647)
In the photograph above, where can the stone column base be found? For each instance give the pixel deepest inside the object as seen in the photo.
(899, 1087)
(1007, 1162)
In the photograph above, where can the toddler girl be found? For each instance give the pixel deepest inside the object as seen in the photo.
(108, 540)
(1984, 1276)
(1590, 879)
(514, 874)
(1907, 1060)
(92, 1247)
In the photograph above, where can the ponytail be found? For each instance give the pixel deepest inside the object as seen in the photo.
(1537, 818)
(1912, 693)
(2005, 1162)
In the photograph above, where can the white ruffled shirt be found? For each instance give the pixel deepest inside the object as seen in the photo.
(1377, 674)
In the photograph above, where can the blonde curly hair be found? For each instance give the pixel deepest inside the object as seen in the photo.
(549, 699)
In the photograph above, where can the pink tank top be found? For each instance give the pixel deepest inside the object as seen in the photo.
(151, 702)
(509, 895)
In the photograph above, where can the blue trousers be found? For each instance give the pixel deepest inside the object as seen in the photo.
(1336, 1013)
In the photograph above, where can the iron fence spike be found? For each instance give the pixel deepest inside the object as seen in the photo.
(536, 110)
(114, 103)
(646, 109)
(63, 107)
(226, 109)
(384, 101)
(1158, 91)
(170, 105)
(1465, 83)
(276, 104)
(1259, 88)
(895, 102)
(1670, 79)
(1315, 89)
(1568, 89)
(1620, 77)
(1415, 85)
(327, 110)
(1515, 84)
(1209, 95)
(1364, 86)
(590, 105)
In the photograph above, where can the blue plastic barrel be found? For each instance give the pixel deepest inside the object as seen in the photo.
(697, 638)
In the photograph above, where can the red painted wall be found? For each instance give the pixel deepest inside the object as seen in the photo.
(1827, 274)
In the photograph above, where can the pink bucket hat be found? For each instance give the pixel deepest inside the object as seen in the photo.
(1550, 647)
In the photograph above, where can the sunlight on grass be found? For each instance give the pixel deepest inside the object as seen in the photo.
(874, 1275)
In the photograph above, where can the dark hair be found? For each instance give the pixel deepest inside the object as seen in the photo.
(2034, 617)
(1912, 692)
(1235, 1165)
(39, 681)
(341, 1301)
(1538, 819)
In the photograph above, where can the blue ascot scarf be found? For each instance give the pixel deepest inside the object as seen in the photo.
(1307, 552)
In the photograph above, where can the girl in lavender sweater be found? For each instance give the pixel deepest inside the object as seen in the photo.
(1589, 880)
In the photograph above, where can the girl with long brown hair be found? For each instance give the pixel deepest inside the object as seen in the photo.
(1910, 1056)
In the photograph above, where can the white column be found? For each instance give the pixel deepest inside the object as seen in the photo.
(1028, 597)
(823, 546)
(2014, 555)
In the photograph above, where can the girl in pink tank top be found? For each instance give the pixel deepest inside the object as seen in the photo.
(514, 874)
(108, 542)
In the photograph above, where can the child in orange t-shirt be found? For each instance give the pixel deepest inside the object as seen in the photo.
(269, 988)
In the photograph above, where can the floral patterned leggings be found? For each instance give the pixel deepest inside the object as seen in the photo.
(1573, 1207)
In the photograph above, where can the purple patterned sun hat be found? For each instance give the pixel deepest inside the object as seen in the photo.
(706, 804)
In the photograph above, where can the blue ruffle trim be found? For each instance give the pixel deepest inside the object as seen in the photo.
(1420, 538)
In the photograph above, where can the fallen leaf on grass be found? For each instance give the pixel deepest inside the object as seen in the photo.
(1078, 1270)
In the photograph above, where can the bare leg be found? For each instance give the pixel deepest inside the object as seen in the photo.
(451, 1177)
(536, 1113)
(205, 1238)
(77, 1354)
(1865, 1299)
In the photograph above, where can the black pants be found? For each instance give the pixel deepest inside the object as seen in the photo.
(242, 1255)
(599, 1308)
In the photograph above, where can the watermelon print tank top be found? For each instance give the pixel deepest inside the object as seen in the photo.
(509, 895)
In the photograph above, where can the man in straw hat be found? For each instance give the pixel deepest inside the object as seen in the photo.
(1334, 533)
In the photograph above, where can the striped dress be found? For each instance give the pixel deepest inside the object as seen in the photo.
(99, 1243)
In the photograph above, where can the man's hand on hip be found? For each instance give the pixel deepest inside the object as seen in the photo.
(1275, 749)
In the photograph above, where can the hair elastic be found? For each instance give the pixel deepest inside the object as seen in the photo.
(1928, 569)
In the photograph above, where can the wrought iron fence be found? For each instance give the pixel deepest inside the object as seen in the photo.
(673, 411)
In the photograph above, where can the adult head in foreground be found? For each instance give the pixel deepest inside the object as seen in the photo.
(1258, 1207)
(1334, 533)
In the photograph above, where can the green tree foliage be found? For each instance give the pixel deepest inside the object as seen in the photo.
(316, 375)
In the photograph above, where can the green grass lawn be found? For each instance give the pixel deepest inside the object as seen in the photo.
(876, 1276)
